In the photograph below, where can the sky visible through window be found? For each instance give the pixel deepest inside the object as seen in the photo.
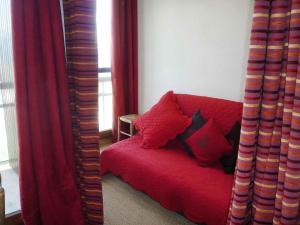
(104, 61)
(104, 32)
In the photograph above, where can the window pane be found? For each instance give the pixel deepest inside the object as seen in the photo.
(100, 113)
(8, 96)
(8, 131)
(107, 88)
(105, 102)
(104, 32)
(3, 138)
(104, 76)
(108, 112)
(104, 60)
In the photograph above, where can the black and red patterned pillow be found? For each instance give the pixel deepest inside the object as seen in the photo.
(197, 123)
(229, 160)
(208, 144)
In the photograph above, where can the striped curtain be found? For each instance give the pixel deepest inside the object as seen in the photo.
(82, 63)
(267, 179)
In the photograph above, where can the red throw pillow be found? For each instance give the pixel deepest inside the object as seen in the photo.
(208, 144)
(163, 122)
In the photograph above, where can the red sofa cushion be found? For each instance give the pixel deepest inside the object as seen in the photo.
(163, 122)
(172, 178)
(208, 144)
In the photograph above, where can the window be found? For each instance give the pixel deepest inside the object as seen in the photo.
(104, 62)
(8, 129)
(3, 136)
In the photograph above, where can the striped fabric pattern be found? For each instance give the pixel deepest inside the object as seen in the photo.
(82, 62)
(267, 178)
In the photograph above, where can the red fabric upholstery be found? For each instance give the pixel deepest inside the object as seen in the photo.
(224, 112)
(163, 122)
(172, 178)
(208, 144)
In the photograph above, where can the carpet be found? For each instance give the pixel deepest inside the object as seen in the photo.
(125, 206)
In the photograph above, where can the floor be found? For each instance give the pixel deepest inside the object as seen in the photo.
(10, 183)
(125, 206)
(104, 144)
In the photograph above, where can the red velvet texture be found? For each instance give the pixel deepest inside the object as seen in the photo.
(48, 191)
(124, 65)
(208, 144)
(163, 122)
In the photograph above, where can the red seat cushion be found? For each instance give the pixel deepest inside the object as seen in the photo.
(172, 178)
(163, 122)
(208, 144)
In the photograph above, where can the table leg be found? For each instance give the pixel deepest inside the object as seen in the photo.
(119, 125)
(131, 129)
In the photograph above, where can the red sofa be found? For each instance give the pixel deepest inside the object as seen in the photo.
(170, 176)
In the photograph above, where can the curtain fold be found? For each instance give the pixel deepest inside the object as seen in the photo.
(49, 193)
(124, 67)
(82, 65)
(267, 178)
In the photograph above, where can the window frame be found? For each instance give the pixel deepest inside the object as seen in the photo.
(5, 86)
(104, 134)
(104, 70)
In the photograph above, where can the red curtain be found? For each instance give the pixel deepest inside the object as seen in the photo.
(47, 173)
(124, 58)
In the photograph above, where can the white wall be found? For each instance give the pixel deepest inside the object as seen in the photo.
(193, 46)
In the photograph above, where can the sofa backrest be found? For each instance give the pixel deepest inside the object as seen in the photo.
(225, 112)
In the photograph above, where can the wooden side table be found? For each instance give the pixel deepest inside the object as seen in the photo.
(129, 120)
